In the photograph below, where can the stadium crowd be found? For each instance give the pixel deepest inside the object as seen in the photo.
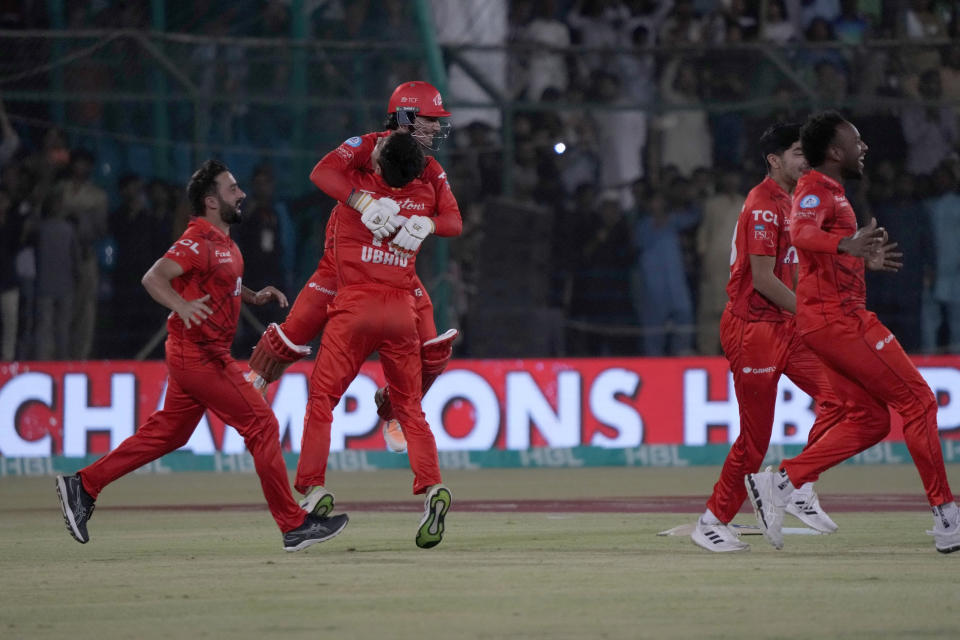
(633, 129)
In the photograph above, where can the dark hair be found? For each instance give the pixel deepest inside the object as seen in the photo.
(401, 159)
(816, 135)
(778, 138)
(202, 183)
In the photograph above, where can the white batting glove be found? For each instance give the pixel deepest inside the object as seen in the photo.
(378, 215)
(411, 235)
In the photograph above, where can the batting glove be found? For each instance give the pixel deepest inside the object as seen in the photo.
(378, 215)
(411, 235)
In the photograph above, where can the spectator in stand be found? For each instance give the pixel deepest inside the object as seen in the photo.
(16, 181)
(85, 206)
(730, 13)
(778, 29)
(623, 134)
(546, 68)
(58, 274)
(141, 233)
(665, 305)
(930, 131)
(11, 236)
(897, 298)
(921, 21)
(596, 24)
(720, 214)
(804, 12)
(944, 301)
(851, 27)
(683, 133)
(9, 140)
(820, 34)
(950, 76)
(682, 24)
(601, 280)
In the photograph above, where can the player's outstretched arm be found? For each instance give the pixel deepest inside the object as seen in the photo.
(157, 283)
(265, 295)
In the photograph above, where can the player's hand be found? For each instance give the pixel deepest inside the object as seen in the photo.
(195, 311)
(411, 235)
(269, 293)
(884, 258)
(378, 215)
(865, 241)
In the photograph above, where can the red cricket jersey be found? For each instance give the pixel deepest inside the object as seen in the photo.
(360, 258)
(761, 231)
(212, 264)
(354, 154)
(831, 285)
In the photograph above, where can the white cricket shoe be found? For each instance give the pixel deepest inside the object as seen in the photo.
(318, 501)
(769, 500)
(805, 505)
(717, 537)
(946, 534)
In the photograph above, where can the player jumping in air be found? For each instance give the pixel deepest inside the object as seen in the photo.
(375, 310)
(866, 365)
(200, 281)
(415, 107)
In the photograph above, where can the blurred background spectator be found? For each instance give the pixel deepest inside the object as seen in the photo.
(599, 154)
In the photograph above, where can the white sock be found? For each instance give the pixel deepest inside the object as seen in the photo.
(946, 516)
(709, 518)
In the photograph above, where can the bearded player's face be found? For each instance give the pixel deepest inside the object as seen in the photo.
(229, 197)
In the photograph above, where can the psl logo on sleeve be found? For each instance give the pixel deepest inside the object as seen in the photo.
(809, 202)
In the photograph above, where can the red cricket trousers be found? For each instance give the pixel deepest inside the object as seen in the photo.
(197, 383)
(363, 319)
(869, 369)
(308, 315)
(759, 352)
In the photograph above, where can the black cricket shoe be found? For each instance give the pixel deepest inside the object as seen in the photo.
(77, 506)
(313, 530)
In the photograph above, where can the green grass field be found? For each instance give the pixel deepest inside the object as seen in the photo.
(222, 574)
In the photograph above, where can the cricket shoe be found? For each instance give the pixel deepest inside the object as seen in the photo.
(805, 505)
(313, 530)
(717, 537)
(318, 501)
(393, 436)
(769, 495)
(946, 534)
(435, 508)
(77, 506)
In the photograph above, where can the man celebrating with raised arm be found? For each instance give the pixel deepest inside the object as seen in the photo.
(866, 365)
(200, 281)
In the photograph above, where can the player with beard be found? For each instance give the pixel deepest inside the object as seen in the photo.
(200, 280)
(866, 365)
(417, 108)
(759, 336)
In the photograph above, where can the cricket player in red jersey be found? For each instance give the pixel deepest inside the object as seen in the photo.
(375, 310)
(866, 365)
(200, 281)
(759, 338)
(415, 107)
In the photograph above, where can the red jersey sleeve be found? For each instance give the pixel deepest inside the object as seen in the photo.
(447, 218)
(813, 205)
(330, 173)
(188, 252)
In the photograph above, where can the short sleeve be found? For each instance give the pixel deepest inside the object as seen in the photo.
(188, 252)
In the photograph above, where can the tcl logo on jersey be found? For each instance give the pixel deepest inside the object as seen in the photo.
(379, 256)
(882, 343)
(411, 204)
(766, 216)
